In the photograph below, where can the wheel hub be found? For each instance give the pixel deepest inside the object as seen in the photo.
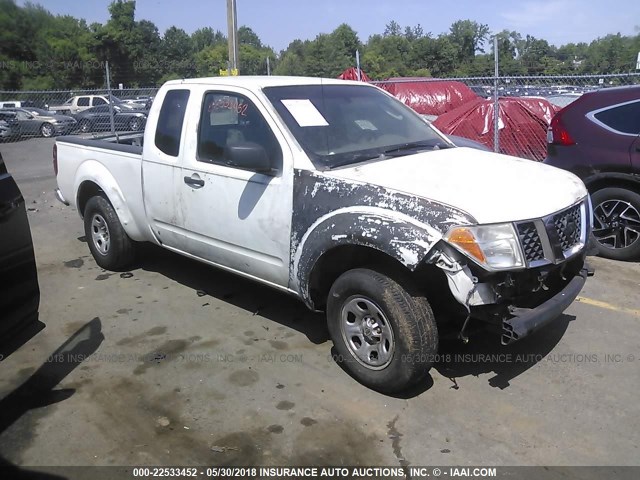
(367, 333)
(617, 224)
(100, 234)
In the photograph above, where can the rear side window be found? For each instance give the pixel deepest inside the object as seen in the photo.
(623, 118)
(169, 128)
(83, 102)
(99, 101)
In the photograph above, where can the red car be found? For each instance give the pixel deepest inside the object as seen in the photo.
(597, 137)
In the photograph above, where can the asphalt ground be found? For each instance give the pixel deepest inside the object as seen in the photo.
(182, 364)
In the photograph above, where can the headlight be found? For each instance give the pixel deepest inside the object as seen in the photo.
(493, 246)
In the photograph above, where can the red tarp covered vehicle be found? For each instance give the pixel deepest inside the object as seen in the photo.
(430, 97)
(352, 74)
(523, 123)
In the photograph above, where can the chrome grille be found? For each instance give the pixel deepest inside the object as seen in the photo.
(530, 241)
(568, 226)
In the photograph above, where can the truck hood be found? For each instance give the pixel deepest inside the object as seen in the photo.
(490, 187)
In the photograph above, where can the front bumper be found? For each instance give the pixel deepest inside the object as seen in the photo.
(527, 320)
(63, 129)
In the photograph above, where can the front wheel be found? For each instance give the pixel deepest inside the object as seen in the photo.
(616, 223)
(84, 126)
(109, 244)
(135, 124)
(47, 130)
(385, 337)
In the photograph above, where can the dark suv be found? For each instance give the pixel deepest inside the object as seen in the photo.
(597, 137)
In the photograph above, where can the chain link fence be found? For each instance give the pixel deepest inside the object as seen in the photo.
(520, 107)
(463, 107)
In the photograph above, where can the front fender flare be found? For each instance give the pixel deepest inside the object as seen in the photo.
(395, 234)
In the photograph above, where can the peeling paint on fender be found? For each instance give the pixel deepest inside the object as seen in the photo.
(329, 212)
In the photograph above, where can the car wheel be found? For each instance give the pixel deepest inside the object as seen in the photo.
(47, 130)
(384, 336)
(135, 124)
(110, 245)
(84, 126)
(616, 223)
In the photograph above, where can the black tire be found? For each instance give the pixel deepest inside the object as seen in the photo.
(114, 251)
(85, 126)
(617, 223)
(411, 321)
(47, 130)
(135, 124)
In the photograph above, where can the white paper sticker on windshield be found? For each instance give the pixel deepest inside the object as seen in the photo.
(305, 112)
(366, 125)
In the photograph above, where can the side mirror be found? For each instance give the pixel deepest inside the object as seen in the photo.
(249, 156)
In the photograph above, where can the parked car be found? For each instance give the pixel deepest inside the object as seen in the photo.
(80, 103)
(597, 137)
(35, 121)
(98, 119)
(19, 290)
(341, 195)
(17, 104)
(9, 126)
(142, 102)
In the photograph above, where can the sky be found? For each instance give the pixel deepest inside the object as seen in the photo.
(278, 22)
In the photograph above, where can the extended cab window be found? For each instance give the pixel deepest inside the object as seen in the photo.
(99, 101)
(83, 101)
(170, 120)
(231, 119)
(623, 118)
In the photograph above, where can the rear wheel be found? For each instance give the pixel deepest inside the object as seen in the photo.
(110, 245)
(47, 130)
(384, 336)
(616, 223)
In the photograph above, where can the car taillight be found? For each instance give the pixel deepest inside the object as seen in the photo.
(557, 134)
(55, 160)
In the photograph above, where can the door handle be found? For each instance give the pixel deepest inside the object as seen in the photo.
(195, 181)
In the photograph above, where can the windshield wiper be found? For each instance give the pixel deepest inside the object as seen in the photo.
(435, 145)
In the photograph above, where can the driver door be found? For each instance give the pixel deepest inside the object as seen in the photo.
(232, 214)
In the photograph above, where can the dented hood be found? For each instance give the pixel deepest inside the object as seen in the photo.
(490, 187)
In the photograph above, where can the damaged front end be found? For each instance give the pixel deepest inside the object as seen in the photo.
(522, 278)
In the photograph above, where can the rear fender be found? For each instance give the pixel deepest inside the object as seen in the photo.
(93, 171)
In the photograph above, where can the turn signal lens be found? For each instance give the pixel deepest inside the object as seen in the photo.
(464, 239)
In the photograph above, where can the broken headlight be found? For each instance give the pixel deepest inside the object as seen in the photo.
(495, 247)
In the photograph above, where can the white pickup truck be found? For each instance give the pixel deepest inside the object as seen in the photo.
(339, 194)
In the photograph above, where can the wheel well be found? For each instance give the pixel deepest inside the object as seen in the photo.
(87, 190)
(338, 260)
(601, 183)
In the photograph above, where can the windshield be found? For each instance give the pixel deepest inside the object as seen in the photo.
(343, 124)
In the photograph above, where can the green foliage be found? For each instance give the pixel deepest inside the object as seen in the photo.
(39, 50)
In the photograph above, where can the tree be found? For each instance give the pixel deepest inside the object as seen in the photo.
(469, 37)
(177, 49)
(392, 29)
(206, 37)
(246, 36)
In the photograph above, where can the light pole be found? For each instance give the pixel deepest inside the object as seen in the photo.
(232, 25)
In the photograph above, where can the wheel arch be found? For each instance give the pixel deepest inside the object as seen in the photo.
(355, 238)
(612, 180)
(93, 179)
